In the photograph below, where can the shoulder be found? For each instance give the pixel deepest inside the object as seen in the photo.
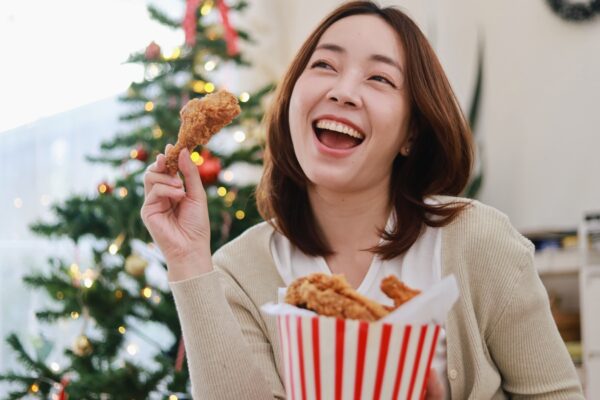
(480, 227)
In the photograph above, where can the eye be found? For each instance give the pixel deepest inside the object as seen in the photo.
(321, 64)
(382, 79)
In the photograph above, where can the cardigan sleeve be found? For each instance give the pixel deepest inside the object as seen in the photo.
(526, 346)
(228, 353)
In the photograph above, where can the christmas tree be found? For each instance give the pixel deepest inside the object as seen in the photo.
(112, 294)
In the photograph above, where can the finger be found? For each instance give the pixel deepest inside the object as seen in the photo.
(435, 389)
(193, 184)
(163, 197)
(151, 178)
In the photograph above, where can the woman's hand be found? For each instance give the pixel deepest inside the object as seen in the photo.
(177, 217)
(435, 389)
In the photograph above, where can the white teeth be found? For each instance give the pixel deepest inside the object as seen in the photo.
(339, 127)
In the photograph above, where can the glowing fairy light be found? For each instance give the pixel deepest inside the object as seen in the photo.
(132, 349)
(240, 214)
(209, 87)
(196, 158)
(55, 367)
(221, 191)
(210, 65)
(122, 330)
(157, 132)
(239, 136)
(199, 86)
(244, 97)
(147, 292)
(123, 192)
(74, 315)
(227, 176)
(149, 106)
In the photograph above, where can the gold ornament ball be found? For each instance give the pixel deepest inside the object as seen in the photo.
(82, 346)
(135, 265)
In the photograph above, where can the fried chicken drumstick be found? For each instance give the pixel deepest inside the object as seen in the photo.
(331, 295)
(200, 120)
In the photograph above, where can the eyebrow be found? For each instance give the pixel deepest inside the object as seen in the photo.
(375, 57)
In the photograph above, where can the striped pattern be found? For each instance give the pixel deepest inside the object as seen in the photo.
(328, 358)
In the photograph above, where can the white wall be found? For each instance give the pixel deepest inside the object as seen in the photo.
(539, 119)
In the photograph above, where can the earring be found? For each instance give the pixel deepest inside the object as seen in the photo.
(406, 151)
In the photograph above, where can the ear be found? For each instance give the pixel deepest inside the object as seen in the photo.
(407, 145)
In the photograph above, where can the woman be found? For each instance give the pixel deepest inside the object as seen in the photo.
(366, 143)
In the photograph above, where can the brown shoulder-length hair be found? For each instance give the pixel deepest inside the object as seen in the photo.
(439, 162)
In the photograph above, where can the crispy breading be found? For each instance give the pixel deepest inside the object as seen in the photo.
(200, 120)
(397, 290)
(331, 295)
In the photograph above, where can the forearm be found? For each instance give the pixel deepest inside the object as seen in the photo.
(527, 346)
(221, 364)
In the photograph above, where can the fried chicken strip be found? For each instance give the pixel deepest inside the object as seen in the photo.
(200, 120)
(397, 290)
(332, 296)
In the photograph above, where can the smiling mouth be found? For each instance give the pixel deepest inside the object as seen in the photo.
(336, 135)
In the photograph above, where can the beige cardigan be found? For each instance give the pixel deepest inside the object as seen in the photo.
(501, 339)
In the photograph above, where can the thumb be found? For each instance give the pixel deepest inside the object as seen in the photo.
(193, 184)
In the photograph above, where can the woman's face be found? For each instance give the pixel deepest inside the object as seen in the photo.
(349, 108)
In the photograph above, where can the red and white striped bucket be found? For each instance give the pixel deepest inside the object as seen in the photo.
(327, 358)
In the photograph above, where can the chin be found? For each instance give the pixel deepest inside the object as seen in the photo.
(332, 181)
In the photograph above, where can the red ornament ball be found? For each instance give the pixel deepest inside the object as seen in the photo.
(140, 154)
(152, 52)
(209, 170)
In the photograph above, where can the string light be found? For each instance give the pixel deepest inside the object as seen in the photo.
(18, 202)
(113, 248)
(198, 86)
(74, 269)
(123, 192)
(133, 153)
(244, 97)
(55, 367)
(74, 315)
(122, 329)
(34, 388)
(147, 292)
(210, 65)
(60, 295)
(239, 136)
(118, 294)
(116, 245)
(157, 132)
(240, 214)
(227, 176)
(173, 397)
(221, 191)
(149, 106)
(156, 299)
(196, 158)
(132, 349)
(206, 7)
(209, 87)
(175, 54)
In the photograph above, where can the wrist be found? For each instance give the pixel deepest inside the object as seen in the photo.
(188, 266)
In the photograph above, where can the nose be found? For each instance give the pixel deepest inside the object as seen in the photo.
(344, 91)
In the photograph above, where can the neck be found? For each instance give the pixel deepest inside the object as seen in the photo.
(351, 221)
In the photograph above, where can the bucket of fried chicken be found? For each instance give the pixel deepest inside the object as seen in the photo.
(338, 344)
